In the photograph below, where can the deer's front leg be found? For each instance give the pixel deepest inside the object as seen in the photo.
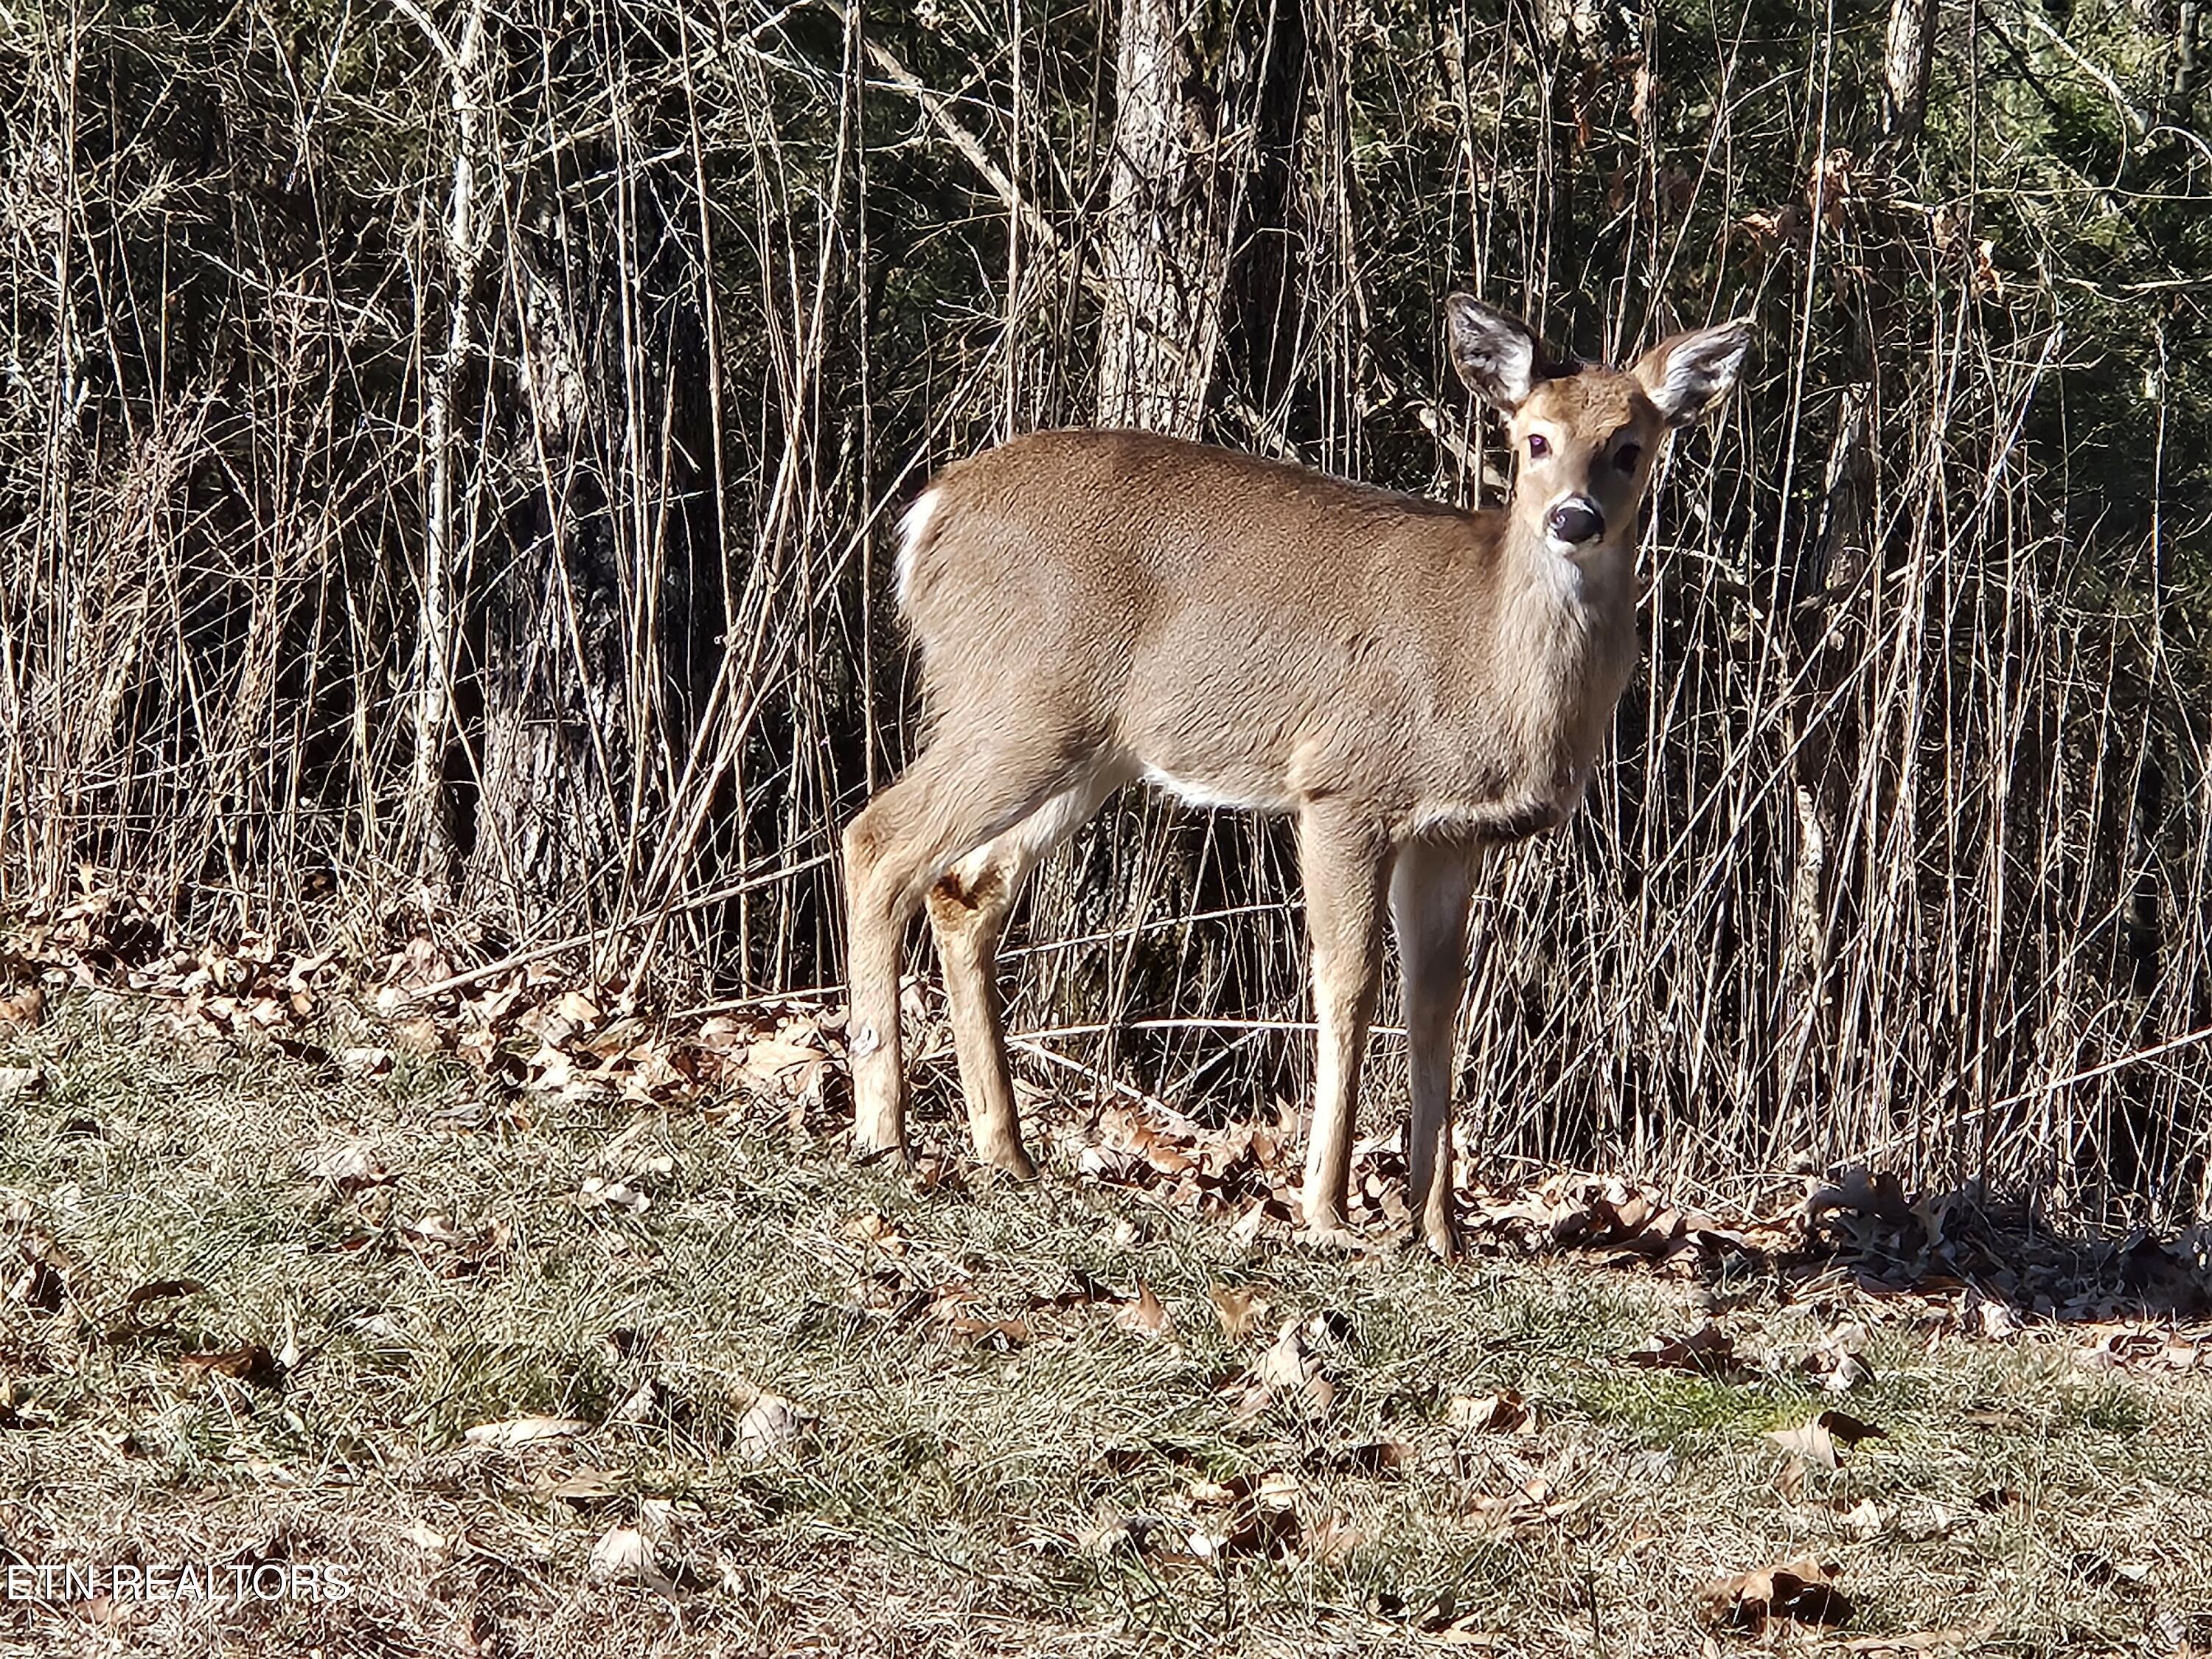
(1345, 862)
(1429, 890)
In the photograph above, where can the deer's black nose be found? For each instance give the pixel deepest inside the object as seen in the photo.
(1577, 520)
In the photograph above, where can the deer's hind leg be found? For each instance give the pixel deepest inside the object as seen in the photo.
(958, 796)
(968, 910)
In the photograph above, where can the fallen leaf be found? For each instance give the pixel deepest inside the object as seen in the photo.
(21, 1082)
(597, 1191)
(1333, 1541)
(38, 1284)
(1079, 1291)
(1839, 1364)
(638, 1406)
(419, 1035)
(624, 1555)
(1823, 1440)
(1245, 1516)
(2095, 1567)
(1706, 1352)
(525, 1431)
(770, 1427)
(1503, 1413)
(347, 1169)
(1146, 1315)
(577, 1009)
(1374, 1457)
(1288, 1373)
(21, 1010)
(1799, 1592)
(584, 1486)
(1995, 1321)
(160, 1290)
(657, 1519)
(250, 1363)
(975, 1331)
(1239, 1307)
(873, 1227)
(1865, 1518)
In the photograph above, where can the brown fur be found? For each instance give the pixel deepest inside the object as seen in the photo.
(1093, 607)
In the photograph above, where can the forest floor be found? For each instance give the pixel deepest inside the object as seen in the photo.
(553, 1371)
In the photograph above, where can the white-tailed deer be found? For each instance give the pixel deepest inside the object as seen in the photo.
(1413, 682)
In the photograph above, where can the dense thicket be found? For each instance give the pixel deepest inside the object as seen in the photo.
(448, 453)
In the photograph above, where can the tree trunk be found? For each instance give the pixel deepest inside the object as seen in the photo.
(1163, 254)
(429, 821)
(1905, 69)
(550, 648)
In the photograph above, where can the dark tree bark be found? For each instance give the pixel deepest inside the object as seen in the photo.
(1163, 254)
(1905, 69)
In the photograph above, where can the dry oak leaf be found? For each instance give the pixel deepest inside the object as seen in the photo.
(1824, 1438)
(347, 1169)
(1839, 1367)
(582, 1488)
(1503, 1413)
(576, 1008)
(160, 1290)
(624, 1555)
(21, 1010)
(1243, 1516)
(1239, 1307)
(1374, 1457)
(1332, 1541)
(874, 1227)
(1287, 1372)
(1864, 1519)
(525, 1431)
(791, 1062)
(770, 1427)
(1801, 1592)
(976, 1330)
(1143, 1314)
(1706, 1352)
(38, 1284)
(250, 1363)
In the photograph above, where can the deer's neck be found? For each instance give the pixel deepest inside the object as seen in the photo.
(1568, 631)
(1591, 592)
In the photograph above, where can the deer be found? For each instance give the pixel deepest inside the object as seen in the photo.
(1416, 683)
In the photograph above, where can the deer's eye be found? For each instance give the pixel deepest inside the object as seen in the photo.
(1625, 458)
(1539, 447)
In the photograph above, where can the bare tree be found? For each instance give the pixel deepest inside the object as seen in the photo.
(1164, 253)
(1905, 69)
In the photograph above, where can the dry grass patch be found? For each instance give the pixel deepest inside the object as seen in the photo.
(544, 1375)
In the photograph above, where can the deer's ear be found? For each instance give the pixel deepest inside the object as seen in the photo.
(1498, 357)
(1687, 375)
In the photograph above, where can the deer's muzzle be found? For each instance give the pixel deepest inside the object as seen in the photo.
(1576, 521)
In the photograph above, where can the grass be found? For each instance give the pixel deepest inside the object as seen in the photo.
(949, 1495)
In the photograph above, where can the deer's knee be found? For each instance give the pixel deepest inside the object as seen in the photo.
(967, 912)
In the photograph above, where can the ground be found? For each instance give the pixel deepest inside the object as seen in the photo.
(556, 1371)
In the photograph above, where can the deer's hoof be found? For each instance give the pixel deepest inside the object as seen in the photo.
(1012, 1162)
(1329, 1238)
(892, 1154)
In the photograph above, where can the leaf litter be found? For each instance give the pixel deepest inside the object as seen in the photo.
(1859, 1243)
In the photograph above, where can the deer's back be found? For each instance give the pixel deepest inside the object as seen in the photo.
(1250, 631)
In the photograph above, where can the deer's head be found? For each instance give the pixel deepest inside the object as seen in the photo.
(1584, 435)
